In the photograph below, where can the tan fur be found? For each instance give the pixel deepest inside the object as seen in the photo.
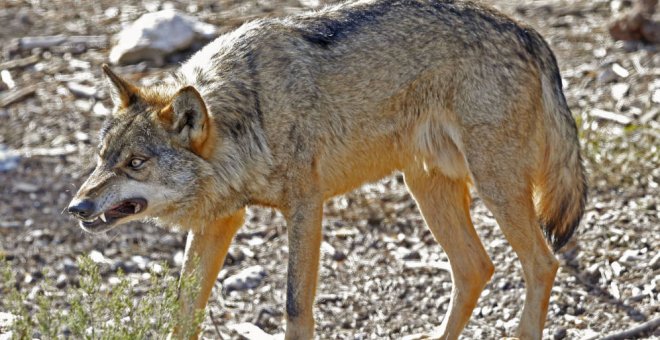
(166, 115)
(289, 112)
(210, 250)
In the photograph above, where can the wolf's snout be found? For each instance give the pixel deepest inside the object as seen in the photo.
(81, 209)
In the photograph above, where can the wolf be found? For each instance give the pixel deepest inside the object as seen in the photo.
(288, 112)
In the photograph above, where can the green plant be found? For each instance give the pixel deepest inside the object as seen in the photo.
(97, 310)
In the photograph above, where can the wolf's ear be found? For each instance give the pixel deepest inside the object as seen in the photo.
(122, 92)
(188, 118)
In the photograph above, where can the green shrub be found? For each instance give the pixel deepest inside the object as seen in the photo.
(90, 312)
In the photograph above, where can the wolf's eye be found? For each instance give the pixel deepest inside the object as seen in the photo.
(136, 163)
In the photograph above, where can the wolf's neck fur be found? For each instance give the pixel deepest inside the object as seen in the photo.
(241, 160)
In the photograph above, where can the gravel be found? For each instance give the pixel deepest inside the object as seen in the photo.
(382, 275)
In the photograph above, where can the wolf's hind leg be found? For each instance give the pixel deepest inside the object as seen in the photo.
(516, 218)
(503, 180)
(445, 206)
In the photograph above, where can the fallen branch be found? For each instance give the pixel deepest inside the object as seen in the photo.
(16, 95)
(215, 324)
(647, 117)
(603, 294)
(40, 152)
(96, 41)
(7, 65)
(427, 265)
(611, 116)
(644, 328)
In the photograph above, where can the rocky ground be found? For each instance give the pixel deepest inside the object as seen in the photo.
(382, 274)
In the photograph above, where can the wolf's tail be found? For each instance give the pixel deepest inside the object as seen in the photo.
(561, 185)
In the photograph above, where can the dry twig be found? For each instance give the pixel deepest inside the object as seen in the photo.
(644, 328)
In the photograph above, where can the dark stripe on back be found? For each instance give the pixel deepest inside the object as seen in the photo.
(338, 25)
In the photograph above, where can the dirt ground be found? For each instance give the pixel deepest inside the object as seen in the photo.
(382, 274)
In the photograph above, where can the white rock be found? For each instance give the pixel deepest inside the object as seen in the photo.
(655, 97)
(141, 261)
(655, 262)
(83, 105)
(111, 12)
(25, 187)
(6, 322)
(7, 319)
(154, 35)
(155, 267)
(81, 136)
(81, 90)
(619, 91)
(328, 249)
(654, 85)
(247, 278)
(600, 52)
(615, 117)
(100, 110)
(612, 72)
(178, 258)
(80, 64)
(616, 268)
(620, 70)
(97, 257)
(311, 3)
(630, 256)
(250, 331)
(606, 76)
(9, 159)
(6, 78)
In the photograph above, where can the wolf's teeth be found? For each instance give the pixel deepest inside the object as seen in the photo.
(137, 209)
(103, 218)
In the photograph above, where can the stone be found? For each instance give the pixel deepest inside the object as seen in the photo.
(619, 91)
(81, 90)
(178, 258)
(611, 116)
(9, 159)
(141, 261)
(6, 321)
(97, 257)
(630, 256)
(247, 278)
(155, 35)
(251, 331)
(655, 97)
(655, 262)
(25, 187)
(99, 110)
(612, 72)
(333, 252)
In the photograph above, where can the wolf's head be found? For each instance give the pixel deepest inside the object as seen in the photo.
(152, 159)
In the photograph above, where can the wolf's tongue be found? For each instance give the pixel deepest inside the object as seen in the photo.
(127, 208)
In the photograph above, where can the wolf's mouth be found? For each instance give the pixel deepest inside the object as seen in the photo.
(125, 208)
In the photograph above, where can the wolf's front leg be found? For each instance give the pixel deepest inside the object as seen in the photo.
(205, 253)
(304, 231)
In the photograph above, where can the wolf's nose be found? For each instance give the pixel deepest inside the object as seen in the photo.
(84, 208)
